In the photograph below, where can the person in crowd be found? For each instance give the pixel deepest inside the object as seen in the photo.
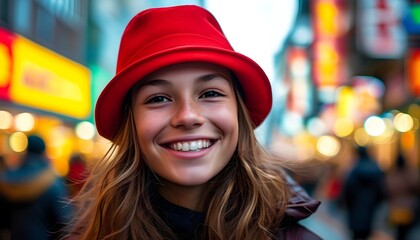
(4, 209)
(185, 163)
(402, 185)
(363, 191)
(35, 196)
(77, 173)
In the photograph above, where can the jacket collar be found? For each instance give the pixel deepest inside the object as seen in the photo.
(300, 205)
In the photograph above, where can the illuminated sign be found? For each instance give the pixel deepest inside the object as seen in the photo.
(413, 71)
(48, 81)
(329, 69)
(6, 63)
(297, 75)
(411, 20)
(380, 31)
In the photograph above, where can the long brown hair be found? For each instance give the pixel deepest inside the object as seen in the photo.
(247, 202)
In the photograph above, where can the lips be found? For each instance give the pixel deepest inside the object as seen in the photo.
(188, 146)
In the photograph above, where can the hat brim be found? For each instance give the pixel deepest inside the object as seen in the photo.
(254, 82)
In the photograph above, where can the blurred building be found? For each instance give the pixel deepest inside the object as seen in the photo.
(55, 59)
(348, 75)
(45, 85)
(352, 73)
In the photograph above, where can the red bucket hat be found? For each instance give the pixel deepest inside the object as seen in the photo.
(159, 37)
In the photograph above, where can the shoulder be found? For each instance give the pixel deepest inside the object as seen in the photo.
(296, 232)
(300, 206)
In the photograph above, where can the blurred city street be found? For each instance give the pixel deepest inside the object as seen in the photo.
(331, 224)
(344, 75)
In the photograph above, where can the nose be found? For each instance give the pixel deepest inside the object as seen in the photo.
(188, 114)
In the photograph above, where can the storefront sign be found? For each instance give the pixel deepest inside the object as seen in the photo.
(5, 63)
(380, 31)
(330, 24)
(48, 81)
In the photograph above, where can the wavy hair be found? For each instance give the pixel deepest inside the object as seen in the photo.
(248, 201)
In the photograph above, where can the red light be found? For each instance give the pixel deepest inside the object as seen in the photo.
(413, 71)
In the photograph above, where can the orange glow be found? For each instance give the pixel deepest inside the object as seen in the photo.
(326, 64)
(414, 71)
(408, 140)
(327, 14)
(345, 102)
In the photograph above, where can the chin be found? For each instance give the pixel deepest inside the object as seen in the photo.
(193, 180)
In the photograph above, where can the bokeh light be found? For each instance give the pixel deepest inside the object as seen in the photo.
(18, 142)
(374, 126)
(316, 126)
(403, 122)
(361, 137)
(6, 120)
(328, 146)
(24, 122)
(85, 130)
(343, 127)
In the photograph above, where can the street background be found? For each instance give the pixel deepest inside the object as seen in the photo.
(345, 74)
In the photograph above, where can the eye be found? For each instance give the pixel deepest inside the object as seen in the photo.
(157, 99)
(211, 94)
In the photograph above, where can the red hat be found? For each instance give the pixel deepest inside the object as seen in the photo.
(159, 37)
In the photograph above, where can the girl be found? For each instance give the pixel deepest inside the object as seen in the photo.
(184, 163)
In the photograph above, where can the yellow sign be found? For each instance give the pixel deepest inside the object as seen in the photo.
(4, 66)
(45, 80)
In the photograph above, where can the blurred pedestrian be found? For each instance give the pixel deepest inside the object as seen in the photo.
(36, 197)
(77, 173)
(363, 191)
(4, 209)
(402, 186)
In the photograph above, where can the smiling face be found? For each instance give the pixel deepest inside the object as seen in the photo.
(186, 121)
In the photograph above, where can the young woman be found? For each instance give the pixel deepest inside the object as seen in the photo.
(185, 164)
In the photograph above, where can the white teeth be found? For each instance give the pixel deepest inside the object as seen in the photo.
(190, 146)
(193, 146)
(185, 147)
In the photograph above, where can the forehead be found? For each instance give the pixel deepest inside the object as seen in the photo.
(192, 68)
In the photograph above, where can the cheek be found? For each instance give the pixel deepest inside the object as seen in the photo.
(147, 126)
(226, 118)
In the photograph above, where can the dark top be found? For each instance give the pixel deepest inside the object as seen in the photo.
(33, 201)
(185, 223)
(188, 224)
(363, 190)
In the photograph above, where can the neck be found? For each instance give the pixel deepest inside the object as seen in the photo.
(191, 197)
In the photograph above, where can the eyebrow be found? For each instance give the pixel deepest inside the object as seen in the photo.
(202, 78)
(211, 76)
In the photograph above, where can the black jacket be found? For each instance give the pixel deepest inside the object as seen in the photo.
(186, 223)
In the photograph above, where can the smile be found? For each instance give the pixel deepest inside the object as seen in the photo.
(190, 145)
